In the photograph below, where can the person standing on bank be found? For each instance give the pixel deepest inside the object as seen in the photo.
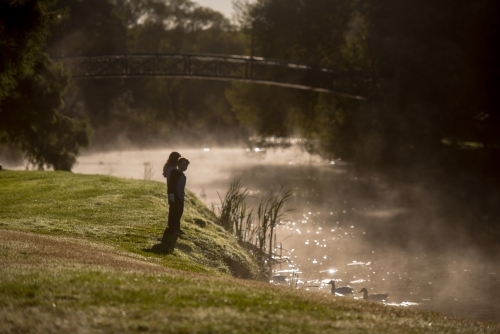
(176, 188)
(169, 166)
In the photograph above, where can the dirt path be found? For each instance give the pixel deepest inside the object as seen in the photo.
(29, 249)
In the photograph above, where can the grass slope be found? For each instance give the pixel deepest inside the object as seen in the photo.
(77, 256)
(127, 214)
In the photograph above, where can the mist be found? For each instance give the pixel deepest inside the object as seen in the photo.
(413, 240)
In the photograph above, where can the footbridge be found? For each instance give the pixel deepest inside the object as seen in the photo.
(217, 67)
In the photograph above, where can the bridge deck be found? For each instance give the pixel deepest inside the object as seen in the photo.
(215, 67)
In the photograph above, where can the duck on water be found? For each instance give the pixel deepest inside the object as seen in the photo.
(377, 297)
(341, 290)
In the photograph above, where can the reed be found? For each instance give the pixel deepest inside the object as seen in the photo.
(233, 208)
(235, 218)
(244, 229)
(271, 212)
(263, 225)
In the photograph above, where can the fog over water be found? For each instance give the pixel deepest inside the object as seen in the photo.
(361, 231)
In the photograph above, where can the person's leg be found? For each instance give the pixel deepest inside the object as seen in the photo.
(165, 234)
(177, 209)
(171, 218)
(181, 211)
(171, 215)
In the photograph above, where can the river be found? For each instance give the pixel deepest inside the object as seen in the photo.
(361, 231)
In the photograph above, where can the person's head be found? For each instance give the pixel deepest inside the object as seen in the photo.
(182, 164)
(173, 158)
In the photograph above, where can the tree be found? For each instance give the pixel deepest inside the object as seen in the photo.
(319, 33)
(431, 69)
(31, 120)
(91, 27)
(434, 68)
(31, 88)
(24, 26)
(147, 111)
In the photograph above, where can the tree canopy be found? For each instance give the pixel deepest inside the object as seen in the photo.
(24, 26)
(31, 89)
(431, 68)
(428, 70)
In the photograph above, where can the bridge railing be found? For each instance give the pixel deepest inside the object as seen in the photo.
(222, 67)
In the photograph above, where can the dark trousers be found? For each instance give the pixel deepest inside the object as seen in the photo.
(175, 212)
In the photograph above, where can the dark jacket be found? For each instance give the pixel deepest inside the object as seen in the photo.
(176, 184)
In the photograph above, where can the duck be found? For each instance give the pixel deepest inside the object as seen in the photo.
(377, 297)
(341, 290)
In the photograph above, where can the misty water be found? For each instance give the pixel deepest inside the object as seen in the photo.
(360, 231)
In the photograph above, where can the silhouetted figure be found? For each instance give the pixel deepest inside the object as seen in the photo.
(342, 290)
(176, 188)
(170, 165)
(377, 297)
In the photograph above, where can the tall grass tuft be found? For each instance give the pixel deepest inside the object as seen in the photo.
(270, 213)
(233, 209)
(244, 229)
(235, 218)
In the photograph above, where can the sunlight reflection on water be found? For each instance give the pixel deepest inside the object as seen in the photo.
(334, 230)
(410, 282)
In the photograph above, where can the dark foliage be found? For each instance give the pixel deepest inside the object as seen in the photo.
(148, 111)
(24, 26)
(432, 71)
(31, 120)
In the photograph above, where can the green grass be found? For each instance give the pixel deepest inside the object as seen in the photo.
(78, 254)
(127, 214)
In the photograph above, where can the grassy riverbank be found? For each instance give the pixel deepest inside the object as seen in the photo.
(129, 215)
(80, 253)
